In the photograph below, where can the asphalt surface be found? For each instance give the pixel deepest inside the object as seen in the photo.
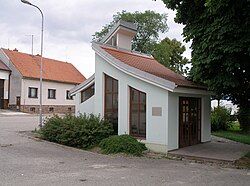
(25, 161)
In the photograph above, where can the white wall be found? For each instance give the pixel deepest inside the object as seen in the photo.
(156, 126)
(15, 79)
(124, 41)
(206, 119)
(86, 107)
(5, 76)
(173, 121)
(61, 89)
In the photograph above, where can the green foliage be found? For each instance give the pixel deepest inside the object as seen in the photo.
(234, 126)
(220, 34)
(81, 132)
(244, 119)
(122, 144)
(235, 136)
(169, 53)
(149, 26)
(220, 119)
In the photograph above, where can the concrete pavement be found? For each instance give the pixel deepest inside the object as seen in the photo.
(25, 161)
(218, 149)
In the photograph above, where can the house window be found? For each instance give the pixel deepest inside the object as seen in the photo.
(51, 94)
(68, 95)
(87, 93)
(32, 109)
(32, 92)
(51, 109)
(137, 113)
(111, 101)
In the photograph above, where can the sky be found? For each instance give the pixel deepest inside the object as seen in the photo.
(69, 26)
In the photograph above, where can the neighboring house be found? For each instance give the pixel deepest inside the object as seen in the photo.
(58, 78)
(143, 98)
(4, 85)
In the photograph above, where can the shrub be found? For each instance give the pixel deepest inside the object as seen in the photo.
(220, 118)
(81, 132)
(122, 144)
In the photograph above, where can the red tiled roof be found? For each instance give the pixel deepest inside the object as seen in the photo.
(150, 65)
(3, 66)
(53, 70)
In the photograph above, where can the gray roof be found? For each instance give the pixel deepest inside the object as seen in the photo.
(122, 23)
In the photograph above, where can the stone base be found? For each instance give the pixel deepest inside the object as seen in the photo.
(159, 148)
(46, 109)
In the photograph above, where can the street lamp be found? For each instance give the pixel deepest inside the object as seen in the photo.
(41, 64)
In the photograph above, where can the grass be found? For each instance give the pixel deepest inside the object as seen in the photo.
(234, 126)
(234, 135)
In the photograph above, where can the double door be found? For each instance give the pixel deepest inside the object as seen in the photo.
(189, 121)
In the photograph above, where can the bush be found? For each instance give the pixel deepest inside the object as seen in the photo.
(122, 144)
(220, 118)
(81, 132)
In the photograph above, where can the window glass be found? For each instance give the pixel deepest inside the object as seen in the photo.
(108, 82)
(51, 94)
(115, 101)
(137, 113)
(108, 101)
(32, 92)
(68, 95)
(111, 101)
(87, 93)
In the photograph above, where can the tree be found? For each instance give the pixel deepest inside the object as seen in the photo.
(169, 53)
(220, 34)
(149, 26)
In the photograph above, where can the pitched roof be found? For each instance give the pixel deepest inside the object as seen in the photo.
(150, 65)
(53, 70)
(3, 66)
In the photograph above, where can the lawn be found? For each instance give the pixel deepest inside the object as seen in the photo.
(234, 135)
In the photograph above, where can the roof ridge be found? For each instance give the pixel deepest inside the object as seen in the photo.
(146, 57)
(53, 69)
(38, 56)
(143, 55)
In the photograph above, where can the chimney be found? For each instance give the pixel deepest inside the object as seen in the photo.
(121, 35)
(15, 50)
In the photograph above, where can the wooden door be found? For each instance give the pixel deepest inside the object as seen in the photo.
(1, 93)
(189, 121)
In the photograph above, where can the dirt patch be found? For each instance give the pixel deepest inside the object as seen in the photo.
(243, 162)
(96, 150)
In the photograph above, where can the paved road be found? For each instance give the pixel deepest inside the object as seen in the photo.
(25, 161)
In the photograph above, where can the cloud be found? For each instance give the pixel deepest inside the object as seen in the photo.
(69, 26)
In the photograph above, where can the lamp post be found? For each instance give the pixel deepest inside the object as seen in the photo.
(41, 64)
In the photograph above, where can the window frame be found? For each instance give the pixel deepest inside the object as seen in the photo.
(87, 89)
(68, 97)
(139, 105)
(114, 92)
(49, 93)
(29, 92)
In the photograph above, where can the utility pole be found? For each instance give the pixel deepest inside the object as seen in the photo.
(41, 63)
(32, 45)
